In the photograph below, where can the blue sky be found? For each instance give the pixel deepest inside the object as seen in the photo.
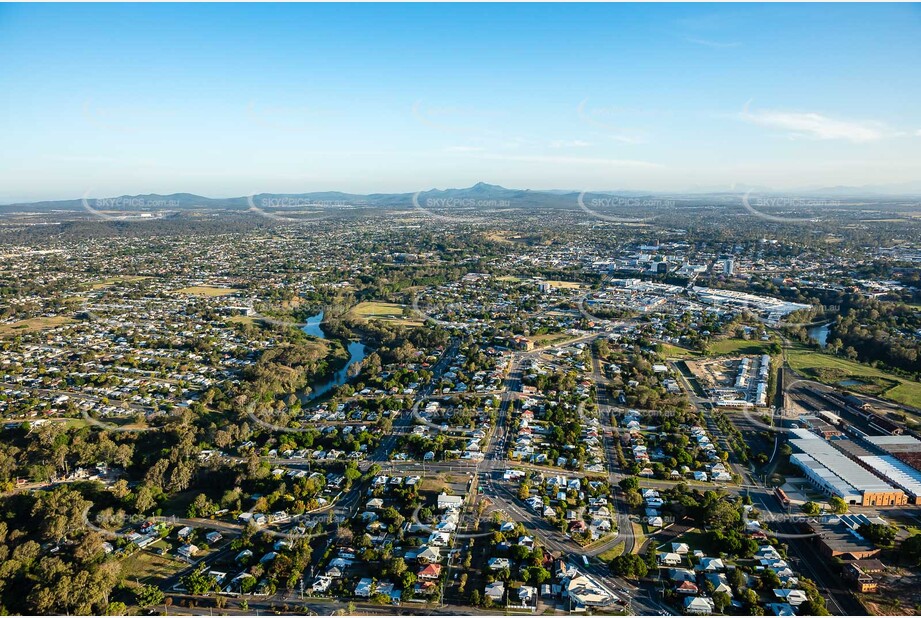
(225, 100)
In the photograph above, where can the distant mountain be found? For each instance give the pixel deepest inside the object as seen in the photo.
(479, 195)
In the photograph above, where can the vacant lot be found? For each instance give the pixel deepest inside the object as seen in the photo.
(810, 363)
(149, 568)
(207, 290)
(32, 325)
(552, 339)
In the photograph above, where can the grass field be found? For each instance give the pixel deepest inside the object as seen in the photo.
(808, 361)
(565, 285)
(695, 540)
(149, 568)
(612, 553)
(738, 346)
(374, 310)
(639, 535)
(207, 290)
(110, 281)
(674, 351)
(32, 325)
(551, 339)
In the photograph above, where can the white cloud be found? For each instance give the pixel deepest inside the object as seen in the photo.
(463, 149)
(918, 133)
(627, 139)
(575, 143)
(816, 126)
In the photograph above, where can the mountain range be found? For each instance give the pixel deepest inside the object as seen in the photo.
(460, 197)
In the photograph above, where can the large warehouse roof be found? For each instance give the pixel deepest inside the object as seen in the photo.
(899, 473)
(895, 444)
(849, 471)
(832, 482)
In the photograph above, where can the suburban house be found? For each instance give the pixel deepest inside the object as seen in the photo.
(699, 606)
(446, 502)
(495, 591)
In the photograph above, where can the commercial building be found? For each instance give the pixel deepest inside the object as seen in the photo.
(772, 308)
(820, 427)
(904, 448)
(861, 581)
(898, 473)
(584, 591)
(836, 539)
(835, 474)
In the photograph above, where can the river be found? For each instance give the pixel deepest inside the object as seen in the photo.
(819, 332)
(357, 352)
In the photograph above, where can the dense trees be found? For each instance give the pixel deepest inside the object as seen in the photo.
(911, 550)
(74, 578)
(629, 565)
(879, 534)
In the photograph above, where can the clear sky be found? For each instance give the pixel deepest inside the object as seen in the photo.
(227, 100)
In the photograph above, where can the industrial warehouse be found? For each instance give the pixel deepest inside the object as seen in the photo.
(834, 473)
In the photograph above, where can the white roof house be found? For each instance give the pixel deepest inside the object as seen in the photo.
(449, 502)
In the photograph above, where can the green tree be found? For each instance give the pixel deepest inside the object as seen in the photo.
(880, 534)
(629, 565)
(524, 490)
(721, 601)
(198, 581)
(538, 575)
(811, 508)
(148, 595)
(837, 505)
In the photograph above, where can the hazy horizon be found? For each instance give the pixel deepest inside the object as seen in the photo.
(233, 100)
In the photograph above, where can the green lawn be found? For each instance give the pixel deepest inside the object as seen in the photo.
(612, 553)
(32, 325)
(378, 310)
(207, 290)
(674, 351)
(738, 346)
(810, 363)
(695, 540)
